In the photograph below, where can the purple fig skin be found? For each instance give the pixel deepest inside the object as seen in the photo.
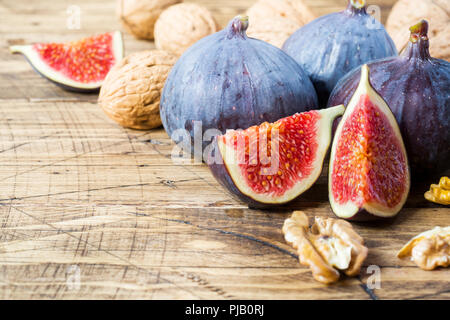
(230, 81)
(332, 45)
(416, 88)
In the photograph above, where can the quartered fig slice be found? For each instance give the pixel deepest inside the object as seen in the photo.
(369, 174)
(75, 66)
(230, 81)
(416, 88)
(274, 163)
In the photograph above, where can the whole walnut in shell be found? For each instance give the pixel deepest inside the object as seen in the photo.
(406, 13)
(182, 25)
(138, 17)
(276, 20)
(274, 30)
(131, 92)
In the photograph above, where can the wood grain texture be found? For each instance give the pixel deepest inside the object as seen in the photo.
(80, 193)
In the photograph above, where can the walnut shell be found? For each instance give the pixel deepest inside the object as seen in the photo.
(274, 30)
(406, 13)
(131, 92)
(182, 25)
(276, 20)
(138, 17)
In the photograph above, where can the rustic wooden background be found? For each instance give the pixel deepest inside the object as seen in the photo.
(82, 196)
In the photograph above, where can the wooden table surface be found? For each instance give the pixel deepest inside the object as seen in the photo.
(82, 198)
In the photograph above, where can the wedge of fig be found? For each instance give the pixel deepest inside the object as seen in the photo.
(80, 65)
(272, 164)
(230, 81)
(369, 174)
(416, 88)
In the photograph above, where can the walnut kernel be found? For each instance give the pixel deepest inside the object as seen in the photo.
(430, 249)
(327, 246)
(182, 25)
(439, 193)
(131, 92)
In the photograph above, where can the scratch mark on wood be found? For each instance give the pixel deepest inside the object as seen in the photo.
(14, 147)
(431, 295)
(156, 142)
(192, 172)
(236, 234)
(367, 290)
(165, 182)
(65, 159)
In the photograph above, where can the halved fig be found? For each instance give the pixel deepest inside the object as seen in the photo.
(75, 66)
(272, 164)
(369, 174)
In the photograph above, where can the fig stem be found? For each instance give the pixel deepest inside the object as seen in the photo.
(418, 45)
(356, 6)
(419, 31)
(238, 26)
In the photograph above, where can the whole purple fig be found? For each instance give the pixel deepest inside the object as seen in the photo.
(332, 45)
(417, 89)
(229, 81)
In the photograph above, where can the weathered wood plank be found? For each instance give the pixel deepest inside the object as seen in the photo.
(81, 193)
(192, 249)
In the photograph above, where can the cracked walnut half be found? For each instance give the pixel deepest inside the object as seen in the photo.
(327, 247)
(430, 249)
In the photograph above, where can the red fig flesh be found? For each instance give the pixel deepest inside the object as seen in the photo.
(273, 164)
(416, 88)
(369, 170)
(76, 66)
